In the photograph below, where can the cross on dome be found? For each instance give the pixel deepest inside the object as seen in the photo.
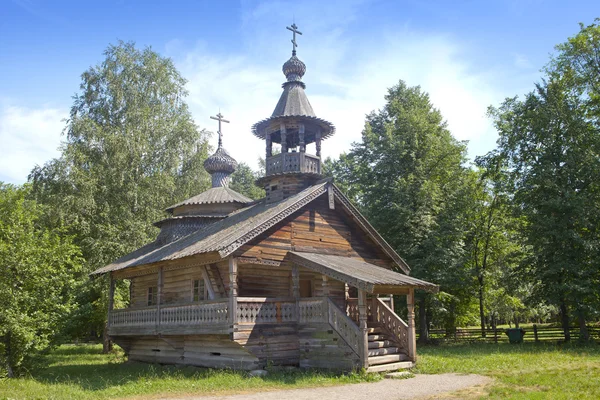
(219, 117)
(295, 30)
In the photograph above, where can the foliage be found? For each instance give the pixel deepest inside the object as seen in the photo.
(407, 176)
(242, 181)
(82, 372)
(37, 272)
(549, 143)
(131, 150)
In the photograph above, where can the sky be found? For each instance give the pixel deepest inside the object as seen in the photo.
(467, 55)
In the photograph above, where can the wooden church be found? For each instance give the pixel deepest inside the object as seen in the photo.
(298, 278)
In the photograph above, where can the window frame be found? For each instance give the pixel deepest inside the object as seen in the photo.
(193, 289)
(151, 296)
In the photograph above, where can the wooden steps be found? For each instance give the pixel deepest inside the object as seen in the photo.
(391, 367)
(383, 351)
(387, 359)
(380, 343)
(384, 354)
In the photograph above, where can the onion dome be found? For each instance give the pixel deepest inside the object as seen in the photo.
(221, 161)
(294, 69)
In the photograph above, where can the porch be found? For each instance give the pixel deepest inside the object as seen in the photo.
(326, 330)
(213, 318)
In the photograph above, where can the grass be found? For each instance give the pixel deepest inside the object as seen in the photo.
(526, 371)
(83, 372)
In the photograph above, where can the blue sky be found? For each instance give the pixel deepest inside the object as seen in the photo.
(466, 54)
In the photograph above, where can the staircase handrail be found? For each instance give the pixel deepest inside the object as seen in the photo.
(391, 322)
(344, 326)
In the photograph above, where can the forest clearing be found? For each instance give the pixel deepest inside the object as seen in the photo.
(518, 372)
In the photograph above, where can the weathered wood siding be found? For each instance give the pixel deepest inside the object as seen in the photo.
(264, 280)
(213, 351)
(139, 289)
(177, 284)
(275, 344)
(322, 347)
(316, 229)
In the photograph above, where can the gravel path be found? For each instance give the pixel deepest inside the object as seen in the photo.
(387, 389)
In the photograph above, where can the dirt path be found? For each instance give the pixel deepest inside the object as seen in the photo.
(421, 386)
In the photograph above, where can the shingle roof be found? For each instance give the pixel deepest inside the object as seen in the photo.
(293, 102)
(241, 226)
(357, 272)
(221, 194)
(223, 236)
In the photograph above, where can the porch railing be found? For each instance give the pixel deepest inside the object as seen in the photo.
(344, 326)
(264, 310)
(207, 313)
(384, 315)
(379, 312)
(211, 312)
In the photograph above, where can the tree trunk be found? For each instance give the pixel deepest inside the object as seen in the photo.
(107, 344)
(481, 313)
(564, 316)
(423, 331)
(7, 354)
(584, 335)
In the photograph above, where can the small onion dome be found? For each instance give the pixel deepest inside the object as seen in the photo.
(221, 161)
(294, 69)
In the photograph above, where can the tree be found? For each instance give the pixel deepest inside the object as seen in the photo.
(242, 181)
(131, 150)
(492, 240)
(550, 144)
(37, 274)
(407, 176)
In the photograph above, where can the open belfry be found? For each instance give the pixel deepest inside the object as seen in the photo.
(298, 278)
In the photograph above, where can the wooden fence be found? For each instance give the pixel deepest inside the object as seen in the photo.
(532, 334)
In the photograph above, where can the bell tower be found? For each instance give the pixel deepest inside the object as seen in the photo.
(294, 126)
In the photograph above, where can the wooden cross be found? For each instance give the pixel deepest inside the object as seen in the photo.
(294, 29)
(219, 117)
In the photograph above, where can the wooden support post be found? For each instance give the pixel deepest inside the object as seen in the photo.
(318, 142)
(269, 145)
(412, 337)
(325, 286)
(283, 133)
(296, 290)
(233, 294)
(301, 138)
(362, 318)
(159, 298)
(535, 333)
(392, 302)
(111, 296)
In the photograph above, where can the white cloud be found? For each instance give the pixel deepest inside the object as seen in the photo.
(27, 137)
(347, 77)
(349, 68)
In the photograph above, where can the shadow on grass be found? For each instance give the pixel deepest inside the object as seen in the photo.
(85, 366)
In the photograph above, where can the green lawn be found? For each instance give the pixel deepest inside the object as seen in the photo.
(527, 371)
(83, 372)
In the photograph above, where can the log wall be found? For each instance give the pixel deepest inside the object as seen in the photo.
(316, 229)
(212, 351)
(321, 347)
